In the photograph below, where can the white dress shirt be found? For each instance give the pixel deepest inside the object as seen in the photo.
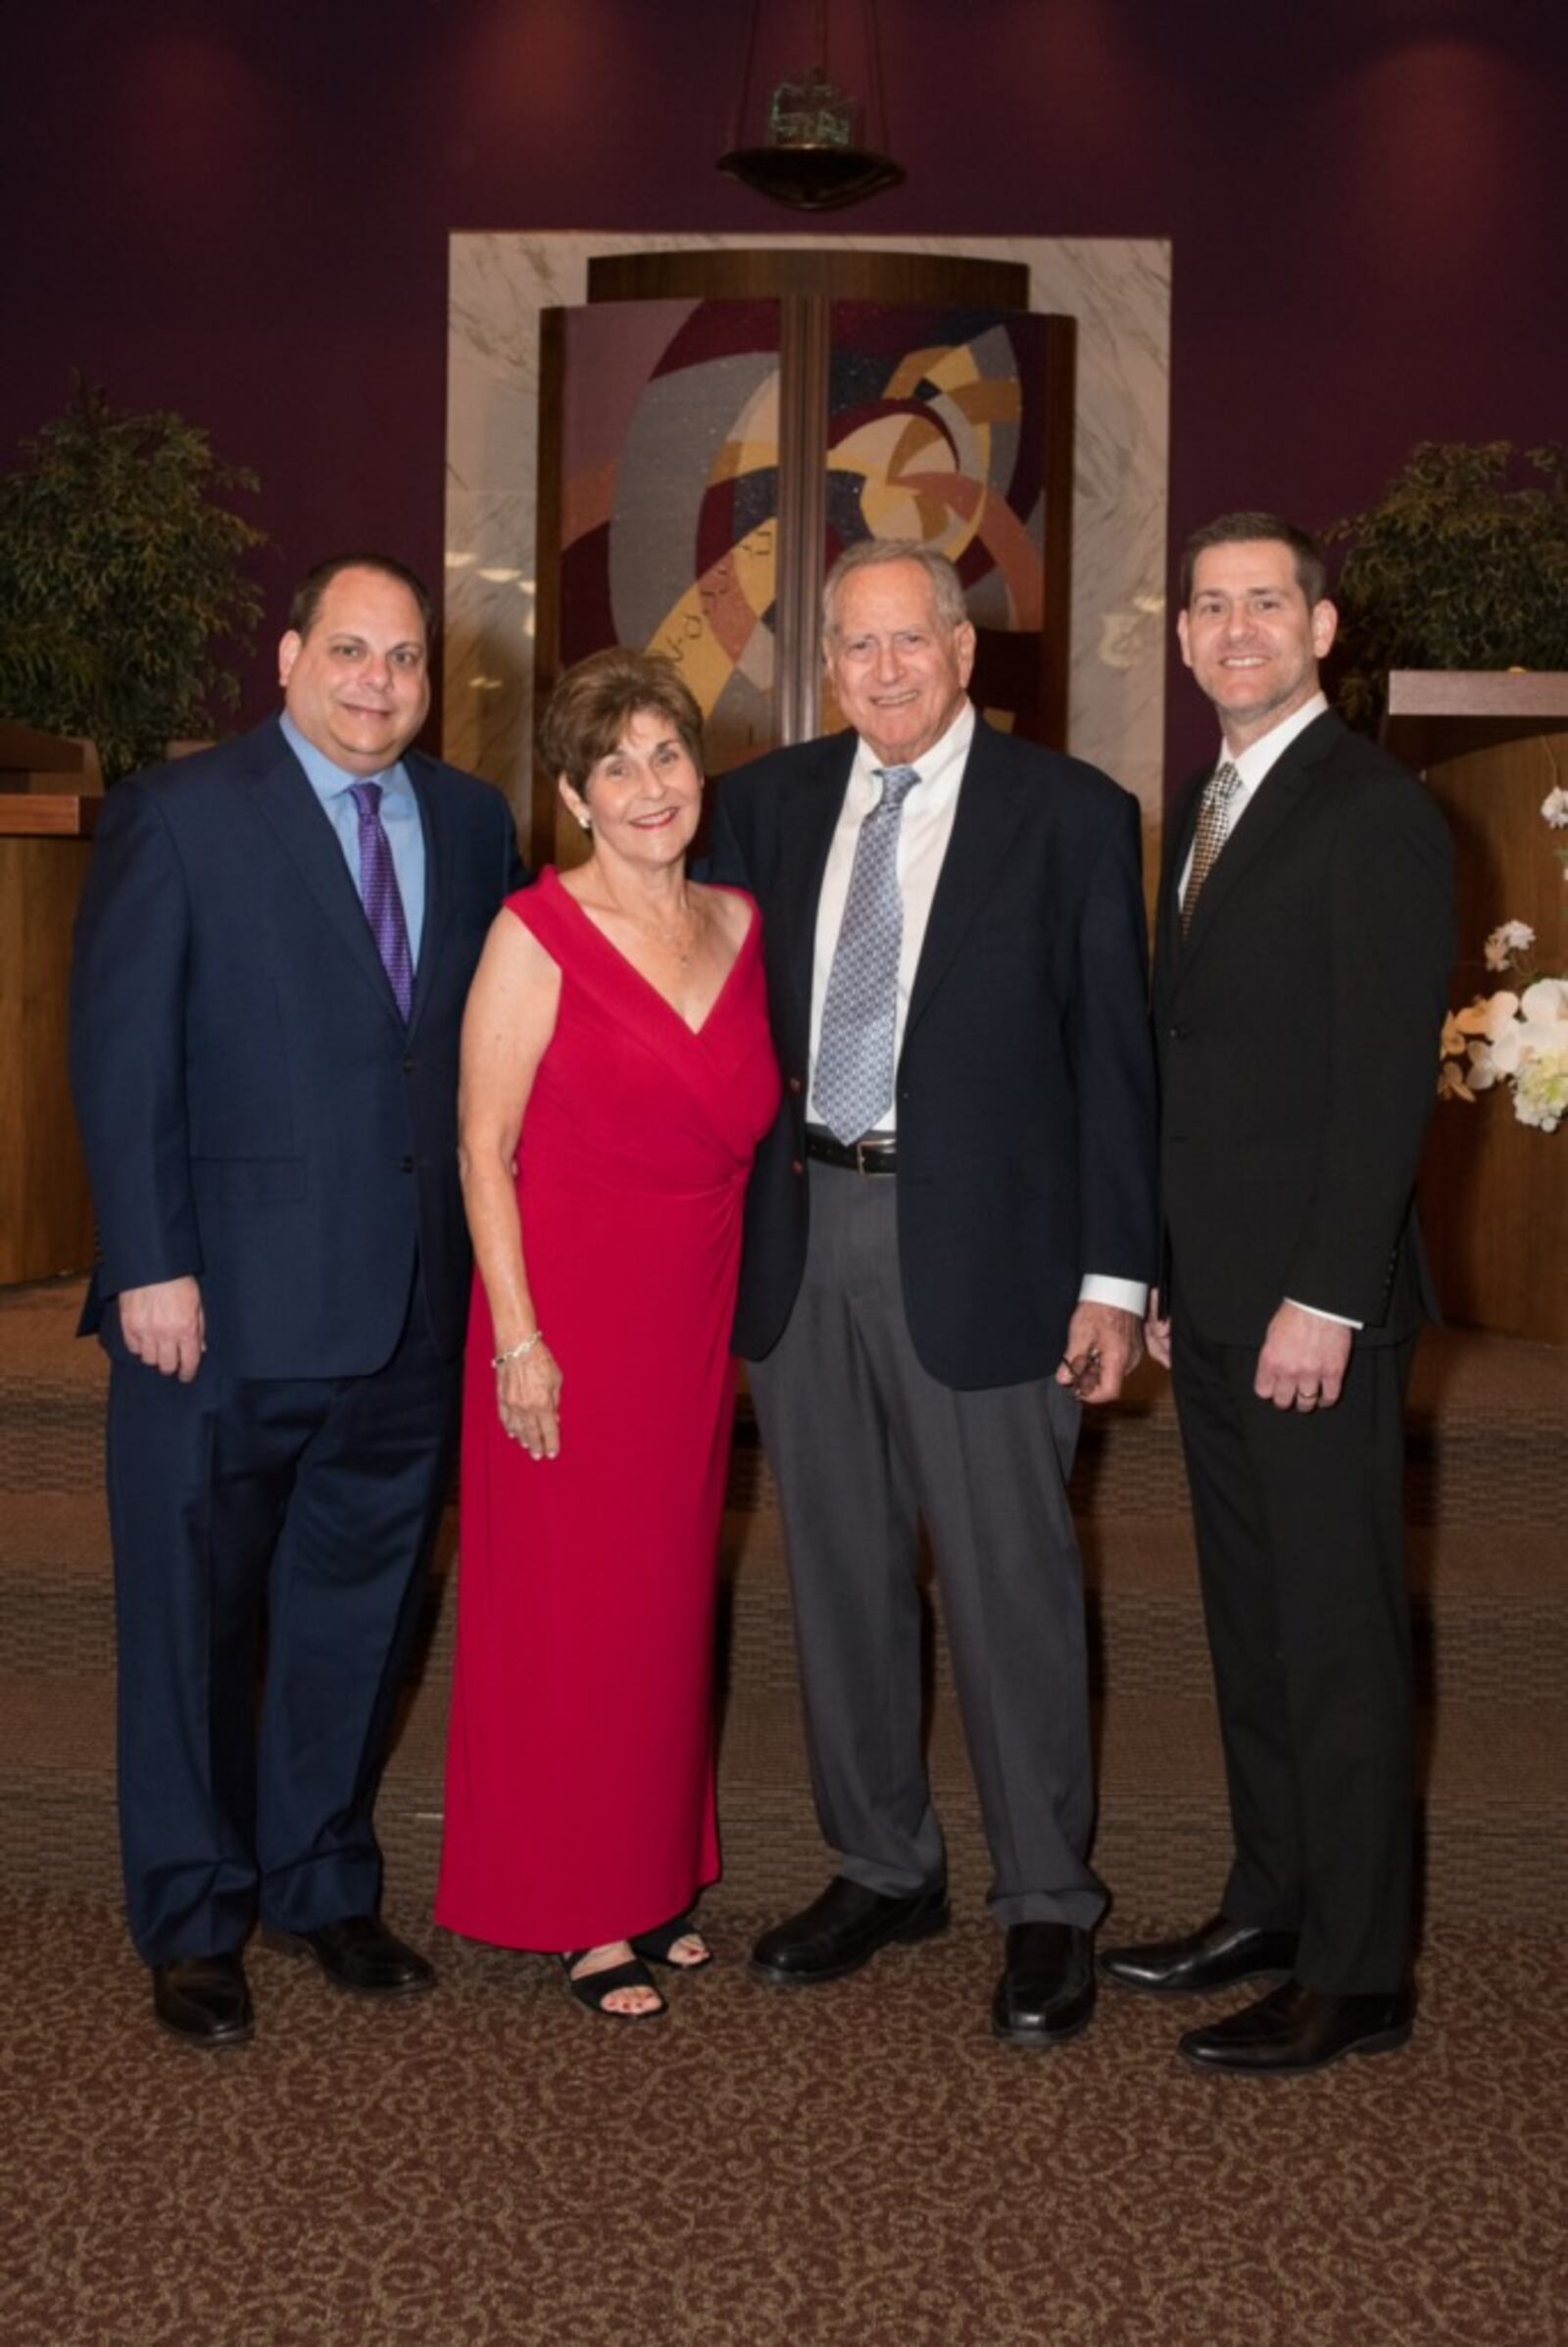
(1253, 764)
(923, 835)
(400, 821)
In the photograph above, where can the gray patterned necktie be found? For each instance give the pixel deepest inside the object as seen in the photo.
(1213, 829)
(854, 1082)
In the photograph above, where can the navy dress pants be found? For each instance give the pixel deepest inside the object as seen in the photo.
(315, 1501)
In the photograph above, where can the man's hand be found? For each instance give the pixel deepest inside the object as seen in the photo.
(1303, 1364)
(1103, 1346)
(164, 1326)
(1157, 1331)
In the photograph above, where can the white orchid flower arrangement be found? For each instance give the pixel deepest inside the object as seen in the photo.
(1515, 1037)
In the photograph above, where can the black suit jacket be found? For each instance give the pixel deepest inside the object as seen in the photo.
(1298, 1028)
(254, 1112)
(1025, 1093)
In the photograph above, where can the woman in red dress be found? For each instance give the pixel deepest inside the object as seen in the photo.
(617, 1079)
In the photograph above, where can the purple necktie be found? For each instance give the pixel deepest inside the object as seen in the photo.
(379, 888)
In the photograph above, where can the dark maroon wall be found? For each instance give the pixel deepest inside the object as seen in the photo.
(242, 213)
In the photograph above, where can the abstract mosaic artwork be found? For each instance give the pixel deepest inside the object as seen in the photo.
(670, 430)
(937, 430)
(669, 507)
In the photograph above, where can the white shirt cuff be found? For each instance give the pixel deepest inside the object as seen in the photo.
(1128, 1295)
(1319, 1313)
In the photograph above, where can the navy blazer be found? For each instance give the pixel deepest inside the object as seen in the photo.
(1025, 1081)
(254, 1110)
(1299, 1025)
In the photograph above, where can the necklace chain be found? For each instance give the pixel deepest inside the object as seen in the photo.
(667, 942)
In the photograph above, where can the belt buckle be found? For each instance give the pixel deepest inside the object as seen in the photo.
(864, 1164)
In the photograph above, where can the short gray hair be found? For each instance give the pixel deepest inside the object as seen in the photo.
(871, 554)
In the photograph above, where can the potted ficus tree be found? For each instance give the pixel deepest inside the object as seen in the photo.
(1461, 563)
(123, 591)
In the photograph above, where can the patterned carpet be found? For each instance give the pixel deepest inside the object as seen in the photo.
(491, 2167)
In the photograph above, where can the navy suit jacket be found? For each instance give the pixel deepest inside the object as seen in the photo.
(1297, 1026)
(1025, 1081)
(254, 1110)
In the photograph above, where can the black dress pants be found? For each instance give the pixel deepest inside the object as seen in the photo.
(1300, 1538)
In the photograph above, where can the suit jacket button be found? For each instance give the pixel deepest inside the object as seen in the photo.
(411, 1067)
(1178, 1034)
(404, 1166)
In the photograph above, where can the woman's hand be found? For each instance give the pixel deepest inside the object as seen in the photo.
(529, 1400)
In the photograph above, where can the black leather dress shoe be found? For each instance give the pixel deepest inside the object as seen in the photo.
(1293, 2029)
(1047, 1989)
(203, 2001)
(360, 1954)
(841, 1930)
(1217, 1955)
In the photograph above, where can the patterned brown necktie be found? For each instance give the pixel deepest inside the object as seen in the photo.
(1213, 829)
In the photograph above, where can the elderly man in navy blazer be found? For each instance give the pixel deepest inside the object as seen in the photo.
(272, 956)
(949, 1236)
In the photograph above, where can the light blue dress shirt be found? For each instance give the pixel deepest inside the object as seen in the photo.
(399, 816)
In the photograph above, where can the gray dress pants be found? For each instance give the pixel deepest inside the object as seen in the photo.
(864, 1442)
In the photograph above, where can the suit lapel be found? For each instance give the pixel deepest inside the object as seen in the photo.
(1168, 942)
(286, 802)
(1271, 804)
(433, 811)
(808, 827)
(983, 825)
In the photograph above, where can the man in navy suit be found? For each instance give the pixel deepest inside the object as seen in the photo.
(272, 956)
(948, 1235)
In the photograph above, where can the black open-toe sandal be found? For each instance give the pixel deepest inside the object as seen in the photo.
(654, 1947)
(594, 1986)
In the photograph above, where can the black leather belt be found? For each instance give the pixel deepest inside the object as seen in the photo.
(870, 1157)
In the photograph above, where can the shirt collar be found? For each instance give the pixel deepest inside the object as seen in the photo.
(327, 778)
(1255, 761)
(936, 766)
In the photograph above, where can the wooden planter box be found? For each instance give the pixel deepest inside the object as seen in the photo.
(45, 1211)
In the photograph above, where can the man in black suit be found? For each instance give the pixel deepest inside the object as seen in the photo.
(948, 1235)
(1305, 936)
(273, 954)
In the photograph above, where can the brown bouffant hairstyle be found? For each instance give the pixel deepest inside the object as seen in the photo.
(587, 714)
(1252, 529)
(307, 598)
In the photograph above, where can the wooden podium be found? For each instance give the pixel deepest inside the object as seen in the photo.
(46, 825)
(1493, 1193)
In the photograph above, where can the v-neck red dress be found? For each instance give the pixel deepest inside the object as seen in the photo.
(580, 1766)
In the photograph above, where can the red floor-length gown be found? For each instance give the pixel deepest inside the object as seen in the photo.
(580, 1767)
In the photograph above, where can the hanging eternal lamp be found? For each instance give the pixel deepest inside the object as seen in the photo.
(812, 161)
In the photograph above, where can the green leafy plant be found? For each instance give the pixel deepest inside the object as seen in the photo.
(120, 581)
(1462, 563)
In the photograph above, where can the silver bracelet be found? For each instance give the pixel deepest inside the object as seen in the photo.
(519, 1353)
